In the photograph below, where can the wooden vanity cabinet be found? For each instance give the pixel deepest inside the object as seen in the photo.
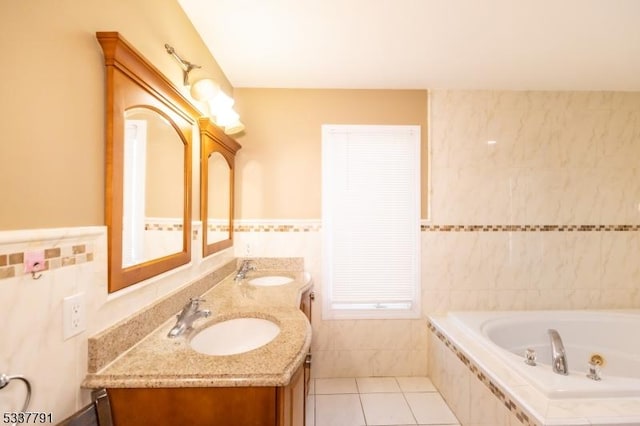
(233, 406)
(241, 406)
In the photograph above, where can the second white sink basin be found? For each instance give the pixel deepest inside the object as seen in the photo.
(271, 280)
(235, 336)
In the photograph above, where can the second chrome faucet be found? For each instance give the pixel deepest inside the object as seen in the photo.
(247, 265)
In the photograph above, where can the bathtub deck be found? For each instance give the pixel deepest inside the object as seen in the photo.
(511, 394)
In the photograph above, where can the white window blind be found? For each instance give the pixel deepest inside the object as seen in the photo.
(371, 221)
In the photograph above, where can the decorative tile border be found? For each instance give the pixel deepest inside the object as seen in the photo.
(163, 227)
(218, 227)
(12, 264)
(316, 226)
(312, 227)
(497, 391)
(529, 228)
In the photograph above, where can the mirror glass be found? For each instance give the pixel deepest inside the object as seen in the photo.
(217, 155)
(219, 201)
(153, 185)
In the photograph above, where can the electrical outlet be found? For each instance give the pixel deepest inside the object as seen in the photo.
(74, 315)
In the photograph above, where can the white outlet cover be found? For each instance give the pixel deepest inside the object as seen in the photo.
(73, 315)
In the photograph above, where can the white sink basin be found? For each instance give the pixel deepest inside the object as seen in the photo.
(271, 280)
(235, 336)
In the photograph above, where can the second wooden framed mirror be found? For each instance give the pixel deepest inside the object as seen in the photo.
(217, 159)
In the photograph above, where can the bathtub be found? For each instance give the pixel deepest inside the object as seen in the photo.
(476, 360)
(612, 336)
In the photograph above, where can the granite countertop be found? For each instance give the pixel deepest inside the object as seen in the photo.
(159, 361)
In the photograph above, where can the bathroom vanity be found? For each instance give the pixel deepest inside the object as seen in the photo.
(164, 381)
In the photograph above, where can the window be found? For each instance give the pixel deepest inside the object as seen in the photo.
(371, 221)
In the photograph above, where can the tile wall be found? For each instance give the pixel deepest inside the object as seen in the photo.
(548, 217)
(31, 337)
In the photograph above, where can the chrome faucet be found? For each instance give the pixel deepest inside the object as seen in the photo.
(558, 354)
(247, 265)
(187, 316)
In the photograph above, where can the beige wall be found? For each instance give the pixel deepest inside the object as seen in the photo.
(52, 99)
(278, 167)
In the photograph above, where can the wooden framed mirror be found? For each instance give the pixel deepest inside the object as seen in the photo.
(148, 167)
(217, 157)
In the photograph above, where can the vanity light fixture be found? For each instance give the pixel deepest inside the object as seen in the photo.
(187, 66)
(492, 142)
(219, 103)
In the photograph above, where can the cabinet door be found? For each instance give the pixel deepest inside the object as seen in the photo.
(241, 406)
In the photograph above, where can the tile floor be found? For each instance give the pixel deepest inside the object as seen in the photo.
(395, 401)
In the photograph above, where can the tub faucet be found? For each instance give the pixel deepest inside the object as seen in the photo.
(187, 316)
(558, 354)
(247, 265)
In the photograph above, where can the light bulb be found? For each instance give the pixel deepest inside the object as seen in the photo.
(205, 90)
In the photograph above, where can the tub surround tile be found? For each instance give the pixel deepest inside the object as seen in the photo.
(157, 361)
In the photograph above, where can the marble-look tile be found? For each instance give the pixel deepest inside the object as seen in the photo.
(437, 301)
(335, 386)
(35, 310)
(377, 384)
(343, 363)
(371, 334)
(310, 411)
(415, 384)
(455, 378)
(620, 253)
(419, 335)
(386, 409)
(430, 408)
(436, 363)
(338, 410)
(392, 363)
(323, 335)
(472, 195)
(418, 361)
(484, 406)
